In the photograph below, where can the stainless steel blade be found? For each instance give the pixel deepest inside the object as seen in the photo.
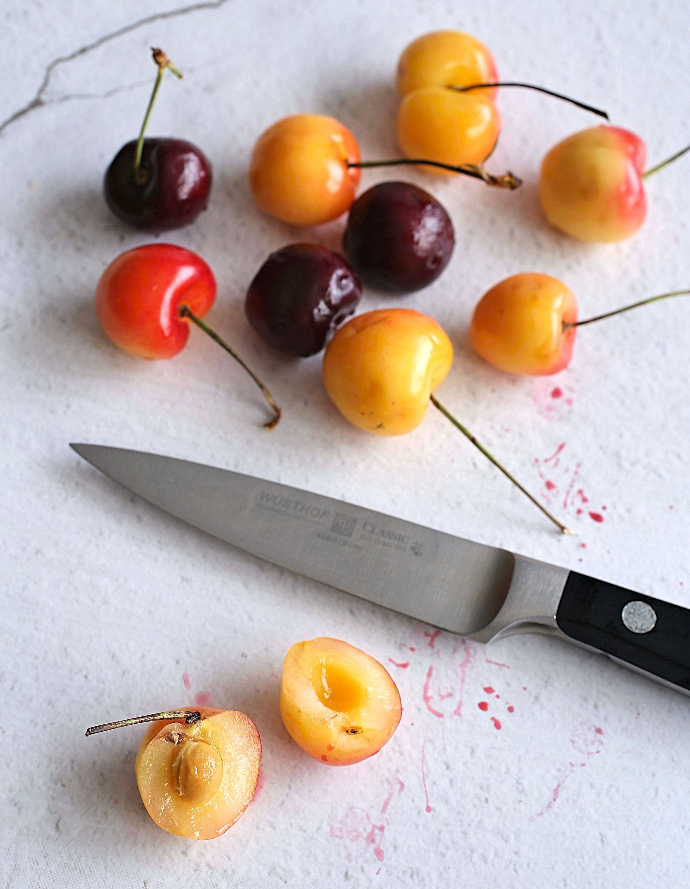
(443, 580)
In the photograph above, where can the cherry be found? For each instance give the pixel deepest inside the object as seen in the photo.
(399, 238)
(158, 184)
(591, 185)
(299, 296)
(381, 370)
(448, 82)
(527, 324)
(147, 296)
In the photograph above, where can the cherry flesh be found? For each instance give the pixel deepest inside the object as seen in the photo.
(299, 296)
(399, 238)
(169, 190)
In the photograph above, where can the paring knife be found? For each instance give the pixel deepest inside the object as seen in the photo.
(467, 588)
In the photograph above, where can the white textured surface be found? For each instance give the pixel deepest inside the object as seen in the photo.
(107, 603)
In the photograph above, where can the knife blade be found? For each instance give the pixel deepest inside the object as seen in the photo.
(457, 585)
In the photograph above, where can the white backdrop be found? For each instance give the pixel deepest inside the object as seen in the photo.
(111, 608)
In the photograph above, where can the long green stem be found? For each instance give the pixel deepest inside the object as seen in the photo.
(530, 86)
(642, 302)
(185, 312)
(669, 160)
(163, 62)
(189, 716)
(476, 171)
(466, 432)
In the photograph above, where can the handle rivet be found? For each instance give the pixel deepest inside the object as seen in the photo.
(639, 617)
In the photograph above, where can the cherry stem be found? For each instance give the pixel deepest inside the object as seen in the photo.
(189, 716)
(185, 312)
(531, 86)
(507, 180)
(643, 302)
(466, 432)
(163, 62)
(669, 160)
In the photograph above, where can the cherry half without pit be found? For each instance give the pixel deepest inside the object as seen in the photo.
(158, 184)
(146, 298)
(527, 324)
(299, 296)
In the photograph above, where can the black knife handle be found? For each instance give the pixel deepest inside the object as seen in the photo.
(643, 632)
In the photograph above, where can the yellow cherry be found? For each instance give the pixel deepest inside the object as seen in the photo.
(381, 367)
(526, 325)
(299, 169)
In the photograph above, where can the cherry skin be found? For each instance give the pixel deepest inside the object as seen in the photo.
(399, 238)
(298, 171)
(591, 186)
(169, 190)
(140, 294)
(299, 296)
(526, 325)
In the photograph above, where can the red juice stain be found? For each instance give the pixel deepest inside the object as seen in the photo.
(604, 508)
(598, 730)
(510, 708)
(498, 697)
(497, 724)
(583, 546)
(596, 517)
(549, 485)
(488, 690)
(202, 699)
(557, 392)
(427, 696)
(187, 681)
(412, 648)
(403, 666)
(483, 705)
(432, 637)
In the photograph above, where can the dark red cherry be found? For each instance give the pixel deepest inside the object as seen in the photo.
(169, 189)
(399, 238)
(299, 296)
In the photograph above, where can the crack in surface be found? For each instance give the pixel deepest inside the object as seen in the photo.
(39, 100)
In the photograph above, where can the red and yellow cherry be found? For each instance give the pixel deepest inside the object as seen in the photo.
(525, 325)
(158, 184)
(299, 170)
(146, 298)
(196, 770)
(591, 184)
(381, 369)
(338, 703)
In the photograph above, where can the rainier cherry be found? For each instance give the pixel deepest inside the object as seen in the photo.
(527, 323)
(146, 298)
(299, 170)
(448, 82)
(381, 369)
(196, 770)
(338, 703)
(592, 184)
(158, 184)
